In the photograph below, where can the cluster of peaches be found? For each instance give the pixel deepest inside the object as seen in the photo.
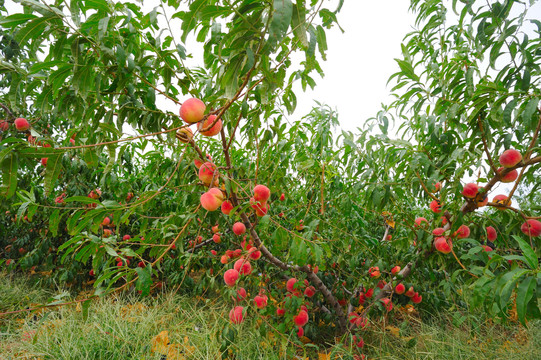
(192, 111)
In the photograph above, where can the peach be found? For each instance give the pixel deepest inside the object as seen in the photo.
(491, 233)
(91, 272)
(419, 220)
(206, 172)
(395, 270)
(126, 237)
(214, 252)
(309, 291)
(438, 231)
(224, 259)
(301, 319)
(300, 225)
(374, 272)
(369, 293)
(510, 176)
(487, 248)
(381, 284)
(192, 110)
(389, 237)
(214, 229)
(531, 227)
(501, 200)
(387, 303)
(227, 207)
(239, 228)
(235, 315)
(21, 124)
(216, 238)
(231, 276)
(282, 197)
(482, 202)
(243, 266)
(435, 206)
(399, 289)
(444, 220)
(510, 158)
(300, 332)
(470, 190)
(410, 292)
(212, 199)
(280, 312)
(214, 130)
(185, 135)
(44, 161)
(462, 232)
(437, 186)
(260, 301)
(261, 193)
(4, 125)
(443, 245)
(241, 294)
(107, 233)
(290, 285)
(262, 211)
(416, 299)
(255, 255)
(358, 341)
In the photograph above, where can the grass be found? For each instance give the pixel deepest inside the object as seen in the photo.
(126, 327)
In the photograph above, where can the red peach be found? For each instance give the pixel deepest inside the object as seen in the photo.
(443, 245)
(216, 238)
(435, 206)
(243, 266)
(206, 172)
(387, 303)
(309, 291)
(212, 199)
(369, 293)
(510, 158)
(262, 211)
(21, 124)
(4, 125)
(213, 252)
(192, 110)
(227, 207)
(44, 161)
(410, 292)
(416, 299)
(126, 237)
(224, 259)
(395, 270)
(239, 228)
(255, 255)
(261, 193)
(531, 227)
(438, 231)
(470, 190)
(400, 288)
(491, 233)
(301, 319)
(91, 272)
(290, 285)
(231, 276)
(374, 272)
(483, 201)
(235, 315)
(241, 294)
(214, 130)
(214, 229)
(462, 232)
(107, 233)
(502, 200)
(419, 220)
(510, 176)
(282, 197)
(260, 301)
(185, 135)
(280, 312)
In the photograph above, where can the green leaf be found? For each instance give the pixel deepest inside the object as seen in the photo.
(52, 172)
(524, 295)
(9, 174)
(529, 110)
(33, 29)
(321, 41)
(91, 157)
(144, 280)
(16, 19)
(54, 220)
(529, 253)
(298, 23)
(281, 18)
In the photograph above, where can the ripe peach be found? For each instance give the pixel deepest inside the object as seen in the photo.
(395, 270)
(216, 238)
(501, 200)
(374, 272)
(206, 172)
(243, 266)
(462, 232)
(231, 276)
(482, 202)
(214, 130)
(381, 284)
(410, 292)
(214, 252)
(309, 291)
(389, 237)
(91, 272)
(470, 190)
(416, 299)
(239, 228)
(141, 264)
(192, 110)
(224, 259)
(255, 255)
(241, 294)
(235, 315)
(300, 225)
(300, 332)
(107, 233)
(261, 193)
(282, 197)
(212, 199)
(387, 303)
(21, 124)
(531, 227)
(435, 206)
(510, 158)
(185, 135)
(419, 220)
(400, 288)
(487, 248)
(301, 319)
(510, 176)
(4, 125)
(227, 207)
(358, 341)
(260, 301)
(290, 285)
(438, 231)
(443, 245)
(369, 293)
(437, 186)
(262, 211)
(44, 161)
(214, 229)
(491, 233)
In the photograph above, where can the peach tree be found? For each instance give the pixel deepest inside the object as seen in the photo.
(144, 146)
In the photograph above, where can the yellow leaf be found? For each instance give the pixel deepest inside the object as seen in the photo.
(160, 342)
(390, 222)
(323, 356)
(393, 330)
